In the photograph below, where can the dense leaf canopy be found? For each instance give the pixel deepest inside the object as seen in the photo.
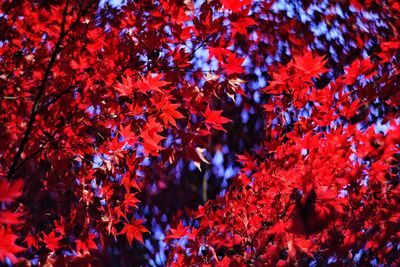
(199, 133)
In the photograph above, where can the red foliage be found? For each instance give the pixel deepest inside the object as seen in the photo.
(104, 110)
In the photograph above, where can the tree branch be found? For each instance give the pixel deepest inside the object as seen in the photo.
(42, 87)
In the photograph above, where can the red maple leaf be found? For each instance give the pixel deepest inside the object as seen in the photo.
(130, 200)
(126, 87)
(151, 82)
(52, 241)
(128, 181)
(233, 64)
(310, 65)
(134, 230)
(129, 136)
(7, 245)
(86, 244)
(216, 52)
(151, 139)
(240, 25)
(8, 217)
(214, 119)
(32, 241)
(170, 114)
(358, 67)
(177, 233)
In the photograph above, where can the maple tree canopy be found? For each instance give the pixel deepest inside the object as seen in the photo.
(199, 133)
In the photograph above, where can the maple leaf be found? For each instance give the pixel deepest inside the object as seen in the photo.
(107, 190)
(235, 87)
(233, 64)
(248, 162)
(120, 212)
(134, 230)
(311, 66)
(177, 233)
(216, 52)
(130, 200)
(10, 192)
(126, 87)
(115, 149)
(199, 152)
(8, 217)
(128, 134)
(86, 244)
(51, 241)
(240, 25)
(277, 85)
(170, 114)
(128, 181)
(214, 119)
(32, 241)
(357, 68)
(151, 82)
(351, 110)
(8, 248)
(151, 139)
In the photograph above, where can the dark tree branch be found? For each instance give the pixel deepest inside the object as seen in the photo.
(32, 117)
(43, 84)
